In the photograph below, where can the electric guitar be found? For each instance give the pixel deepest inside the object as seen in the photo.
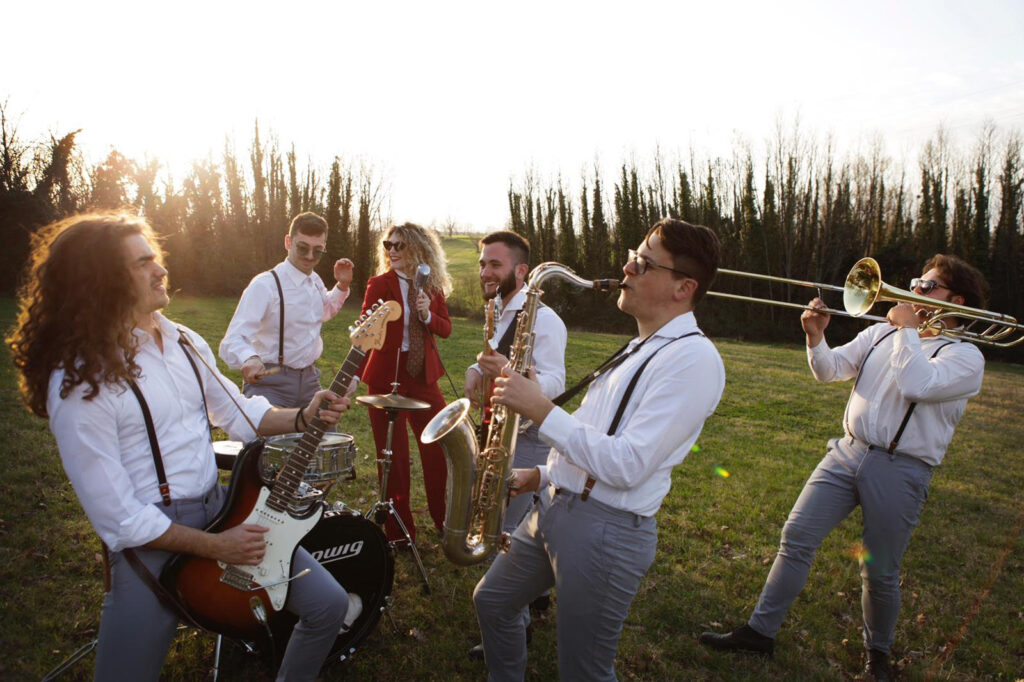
(239, 601)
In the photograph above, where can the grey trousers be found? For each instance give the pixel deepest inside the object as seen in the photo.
(891, 491)
(136, 630)
(288, 387)
(594, 555)
(531, 451)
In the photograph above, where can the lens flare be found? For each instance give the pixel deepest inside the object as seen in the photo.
(721, 472)
(861, 553)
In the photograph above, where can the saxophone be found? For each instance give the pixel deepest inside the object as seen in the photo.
(478, 479)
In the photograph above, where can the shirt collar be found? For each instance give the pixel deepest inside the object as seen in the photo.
(674, 328)
(516, 302)
(168, 330)
(297, 277)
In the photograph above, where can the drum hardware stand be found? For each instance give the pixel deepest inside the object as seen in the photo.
(392, 404)
(88, 648)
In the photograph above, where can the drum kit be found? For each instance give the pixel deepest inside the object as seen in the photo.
(349, 544)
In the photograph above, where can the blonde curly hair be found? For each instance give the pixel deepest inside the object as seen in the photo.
(422, 246)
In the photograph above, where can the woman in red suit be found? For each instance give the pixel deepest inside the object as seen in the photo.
(403, 249)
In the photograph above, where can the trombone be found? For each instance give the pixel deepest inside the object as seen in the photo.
(864, 287)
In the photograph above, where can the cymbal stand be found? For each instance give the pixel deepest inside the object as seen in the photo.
(385, 506)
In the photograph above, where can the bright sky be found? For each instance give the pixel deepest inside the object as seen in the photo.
(449, 100)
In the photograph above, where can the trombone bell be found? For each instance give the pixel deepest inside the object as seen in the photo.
(863, 285)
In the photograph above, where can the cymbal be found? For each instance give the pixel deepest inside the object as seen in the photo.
(392, 401)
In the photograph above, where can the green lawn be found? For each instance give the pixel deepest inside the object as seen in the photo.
(963, 602)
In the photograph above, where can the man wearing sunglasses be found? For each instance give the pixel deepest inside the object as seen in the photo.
(592, 534)
(910, 390)
(274, 335)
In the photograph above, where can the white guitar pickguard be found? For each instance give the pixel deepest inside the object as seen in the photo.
(285, 533)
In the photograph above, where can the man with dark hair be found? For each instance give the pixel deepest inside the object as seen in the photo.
(504, 264)
(910, 390)
(274, 335)
(131, 397)
(592, 533)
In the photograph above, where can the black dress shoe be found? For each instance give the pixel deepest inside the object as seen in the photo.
(743, 638)
(541, 603)
(878, 667)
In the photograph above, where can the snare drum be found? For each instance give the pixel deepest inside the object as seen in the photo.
(334, 460)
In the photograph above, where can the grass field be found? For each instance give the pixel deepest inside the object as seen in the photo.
(963, 578)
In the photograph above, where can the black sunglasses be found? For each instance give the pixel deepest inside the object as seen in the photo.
(305, 249)
(926, 285)
(397, 246)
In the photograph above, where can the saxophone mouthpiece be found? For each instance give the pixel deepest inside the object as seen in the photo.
(607, 284)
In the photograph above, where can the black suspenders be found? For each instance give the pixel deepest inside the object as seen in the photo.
(154, 444)
(589, 485)
(280, 330)
(910, 410)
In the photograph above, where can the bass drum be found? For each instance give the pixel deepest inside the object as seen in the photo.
(357, 554)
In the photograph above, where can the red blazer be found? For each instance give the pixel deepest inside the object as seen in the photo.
(378, 368)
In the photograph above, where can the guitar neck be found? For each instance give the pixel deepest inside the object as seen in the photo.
(293, 470)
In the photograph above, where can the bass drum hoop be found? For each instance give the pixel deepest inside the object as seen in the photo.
(371, 575)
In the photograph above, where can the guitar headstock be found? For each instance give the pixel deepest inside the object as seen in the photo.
(368, 332)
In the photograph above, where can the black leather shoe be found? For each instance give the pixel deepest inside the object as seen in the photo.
(743, 638)
(541, 603)
(878, 667)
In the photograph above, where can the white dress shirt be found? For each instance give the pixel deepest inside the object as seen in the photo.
(678, 390)
(106, 451)
(256, 322)
(898, 372)
(550, 337)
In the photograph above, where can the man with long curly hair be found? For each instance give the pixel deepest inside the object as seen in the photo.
(94, 353)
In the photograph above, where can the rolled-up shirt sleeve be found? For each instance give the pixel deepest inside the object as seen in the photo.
(334, 298)
(238, 344)
(89, 443)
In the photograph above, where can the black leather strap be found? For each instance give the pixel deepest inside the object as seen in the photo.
(910, 410)
(154, 445)
(280, 331)
(589, 485)
(505, 343)
(165, 597)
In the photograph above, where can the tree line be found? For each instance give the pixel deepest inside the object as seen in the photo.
(798, 209)
(224, 222)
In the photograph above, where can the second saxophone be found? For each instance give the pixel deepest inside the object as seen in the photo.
(478, 475)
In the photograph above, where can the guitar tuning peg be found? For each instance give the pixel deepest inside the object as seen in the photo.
(380, 301)
(351, 329)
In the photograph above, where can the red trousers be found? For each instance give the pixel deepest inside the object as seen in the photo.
(435, 470)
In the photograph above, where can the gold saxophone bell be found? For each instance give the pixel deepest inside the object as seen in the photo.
(478, 479)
